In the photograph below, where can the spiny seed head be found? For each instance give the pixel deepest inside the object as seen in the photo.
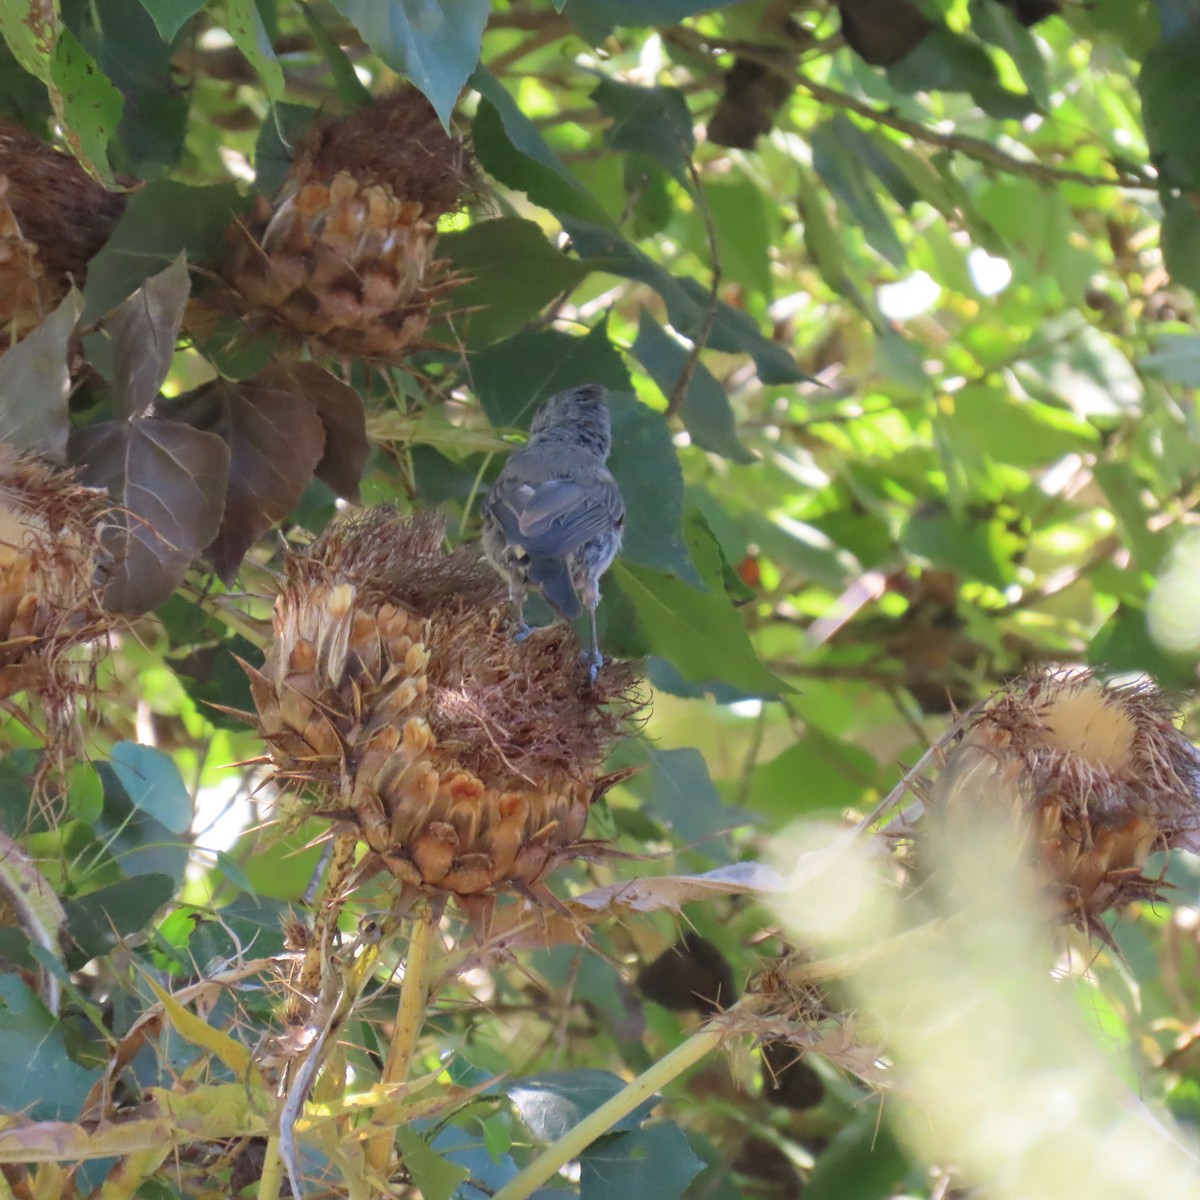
(49, 602)
(342, 258)
(1105, 776)
(394, 692)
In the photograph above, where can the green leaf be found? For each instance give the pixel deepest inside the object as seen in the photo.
(554, 1102)
(277, 140)
(596, 19)
(161, 219)
(30, 27)
(510, 147)
(433, 43)
(700, 632)
(838, 160)
(1171, 105)
(153, 784)
(35, 380)
(706, 412)
(654, 121)
(864, 1160)
(679, 791)
(973, 548)
(91, 106)
(512, 273)
(654, 1162)
(1181, 241)
(432, 1175)
(1124, 493)
(747, 225)
(170, 16)
(350, 88)
(245, 25)
(1175, 357)
(817, 774)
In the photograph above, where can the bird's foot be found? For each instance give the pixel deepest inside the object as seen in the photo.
(523, 631)
(594, 660)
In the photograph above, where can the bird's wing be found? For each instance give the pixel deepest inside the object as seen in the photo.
(559, 515)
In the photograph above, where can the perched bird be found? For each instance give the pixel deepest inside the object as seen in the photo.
(553, 518)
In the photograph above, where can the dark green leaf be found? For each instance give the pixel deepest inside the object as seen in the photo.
(951, 62)
(511, 378)
(700, 632)
(679, 791)
(1124, 493)
(435, 44)
(143, 331)
(706, 412)
(553, 1102)
(654, 1162)
(817, 774)
(1175, 357)
(37, 1077)
(654, 121)
(1181, 240)
(838, 161)
(1171, 105)
(91, 106)
(35, 380)
(510, 147)
(512, 273)
(647, 471)
(973, 548)
(161, 219)
(596, 19)
(350, 88)
(864, 1161)
(276, 142)
(98, 921)
(169, 483)
(170, 16)
(152, 782)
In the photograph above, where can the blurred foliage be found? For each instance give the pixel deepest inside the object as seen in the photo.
(896, 302)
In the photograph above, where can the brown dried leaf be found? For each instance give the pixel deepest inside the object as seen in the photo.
(144, 329)
(169, 483)
(275, 439)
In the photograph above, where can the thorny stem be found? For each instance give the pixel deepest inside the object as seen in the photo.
(577, 1139)
(410, 1017)
(271, 1180)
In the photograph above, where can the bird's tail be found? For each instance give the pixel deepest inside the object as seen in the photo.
(552, 576)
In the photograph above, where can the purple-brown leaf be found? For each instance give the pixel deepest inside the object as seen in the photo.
(341, 411)
(168, 483)
(144, 329)
(35, 377)
(275, 440)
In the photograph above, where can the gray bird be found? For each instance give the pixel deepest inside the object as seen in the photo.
(553, 518)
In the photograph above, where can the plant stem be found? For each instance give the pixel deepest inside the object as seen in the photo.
(578, 1138)
(410, 1018)
(271, 1180)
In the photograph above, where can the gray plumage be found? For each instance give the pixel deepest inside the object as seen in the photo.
(553, 518)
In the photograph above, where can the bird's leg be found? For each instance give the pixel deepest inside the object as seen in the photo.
(595, 659)
(516, 593)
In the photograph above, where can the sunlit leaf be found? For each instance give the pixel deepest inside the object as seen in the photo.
(91, 105)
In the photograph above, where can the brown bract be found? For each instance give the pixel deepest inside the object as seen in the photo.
(1104, 777)
(53, 218)
(394, 694)
(342, 258)
(49, 604)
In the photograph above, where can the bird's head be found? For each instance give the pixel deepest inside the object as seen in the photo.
(575, 417)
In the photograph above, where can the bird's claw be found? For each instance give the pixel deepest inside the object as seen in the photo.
(523, 631)
(594, 660)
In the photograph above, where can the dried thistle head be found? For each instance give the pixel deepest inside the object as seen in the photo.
(1103, 775)
(393, 692)
(342, 259)
(49, 602)
(53, 218)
